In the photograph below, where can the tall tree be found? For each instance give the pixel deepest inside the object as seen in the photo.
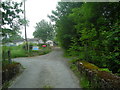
(11, 18)
(44, 31)
(90, 31)
(64, 25)
(98, 30)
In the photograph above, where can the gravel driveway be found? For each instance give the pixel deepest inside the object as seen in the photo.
(46, 70)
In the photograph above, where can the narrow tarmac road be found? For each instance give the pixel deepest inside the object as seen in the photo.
(46, 70)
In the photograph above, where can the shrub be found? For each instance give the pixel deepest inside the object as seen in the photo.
(9, 70)
(30, 45)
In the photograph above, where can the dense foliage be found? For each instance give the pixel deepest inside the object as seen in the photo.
(90, 31)
(11, 20)
(44, 31)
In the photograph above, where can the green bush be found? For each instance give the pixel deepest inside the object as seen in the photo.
(93, 36)
(30, 45)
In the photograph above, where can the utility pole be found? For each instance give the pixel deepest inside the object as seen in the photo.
(25, 28)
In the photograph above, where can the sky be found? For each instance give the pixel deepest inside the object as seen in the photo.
(36, 10)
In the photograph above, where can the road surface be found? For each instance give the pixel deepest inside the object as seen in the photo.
(50, 70)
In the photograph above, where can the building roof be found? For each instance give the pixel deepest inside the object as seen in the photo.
(19, 40)
(33, 39)
(29, 39)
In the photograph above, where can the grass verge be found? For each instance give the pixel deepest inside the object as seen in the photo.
(18, 51)
(84, 83)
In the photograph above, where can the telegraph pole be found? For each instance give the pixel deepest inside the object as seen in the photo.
(25, 28)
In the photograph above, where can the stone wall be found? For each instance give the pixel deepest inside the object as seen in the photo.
(9, 71)
(97, 78)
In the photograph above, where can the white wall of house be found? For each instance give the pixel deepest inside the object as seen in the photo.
(35, 42)
(50, 42)
(9, 44)
(19, 43)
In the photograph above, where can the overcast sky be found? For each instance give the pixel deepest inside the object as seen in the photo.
(36, 10)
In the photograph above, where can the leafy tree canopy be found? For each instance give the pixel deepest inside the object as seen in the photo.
(11, 18)
(44, 31)
(90, 31)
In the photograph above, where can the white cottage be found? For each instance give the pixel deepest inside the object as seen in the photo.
(33, 40)
(50, 42)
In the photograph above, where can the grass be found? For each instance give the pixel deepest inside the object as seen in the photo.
(105, 69)
(6, 62)
(84, 83)
(18, 51)
(89, 65)
(40, 52)
(6, 85)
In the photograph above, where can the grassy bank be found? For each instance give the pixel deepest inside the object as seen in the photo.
(19, 51)
(16, 51)
(42, 51)
(83, 81)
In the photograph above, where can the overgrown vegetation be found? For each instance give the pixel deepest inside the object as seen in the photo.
(16, 51)
(83, 81)
(91, 76)
(90, 32)
(19, 51)
(9, 71)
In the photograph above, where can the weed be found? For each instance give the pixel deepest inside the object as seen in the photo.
(84, 82)
(105, 69)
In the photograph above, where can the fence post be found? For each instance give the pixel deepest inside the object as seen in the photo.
(9, 56)
(3, 55)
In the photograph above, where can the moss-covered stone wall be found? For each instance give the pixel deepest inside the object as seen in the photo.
(98, 78)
